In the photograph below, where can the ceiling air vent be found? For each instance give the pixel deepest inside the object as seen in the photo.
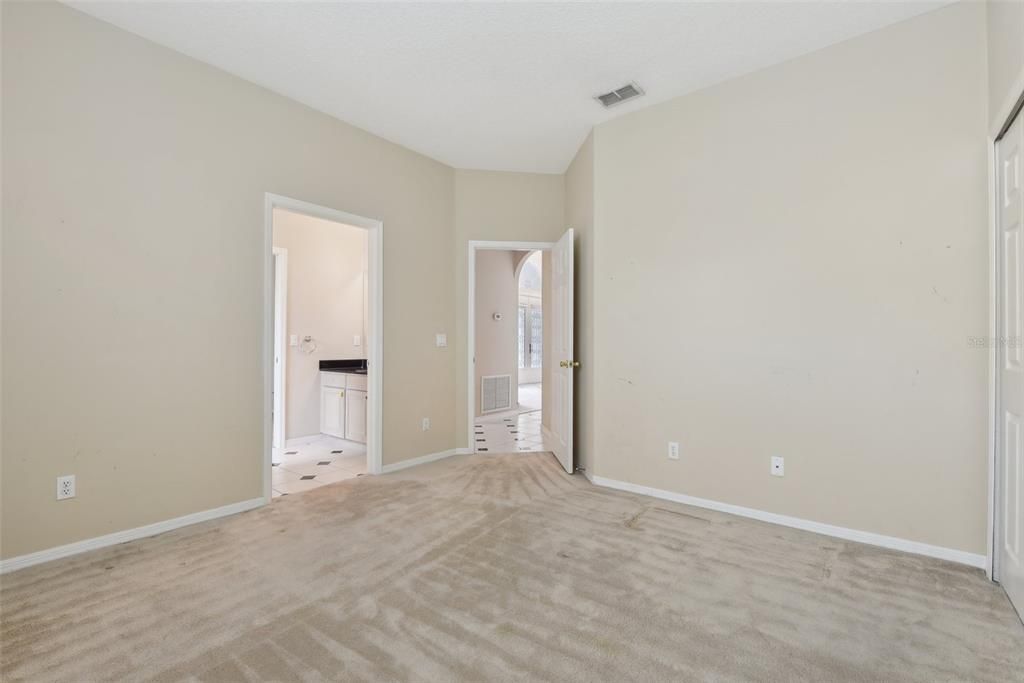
(626, 92)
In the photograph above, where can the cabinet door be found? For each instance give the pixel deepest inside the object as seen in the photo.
(355, 415)
(332, 411)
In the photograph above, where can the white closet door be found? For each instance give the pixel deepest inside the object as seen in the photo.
(1010, 439)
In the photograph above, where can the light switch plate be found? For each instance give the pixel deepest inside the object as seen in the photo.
(442, 340)
(357, 340)
(293, 340)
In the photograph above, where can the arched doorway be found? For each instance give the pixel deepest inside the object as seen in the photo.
(530, 326)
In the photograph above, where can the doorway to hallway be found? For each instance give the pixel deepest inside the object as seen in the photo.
(520, 386)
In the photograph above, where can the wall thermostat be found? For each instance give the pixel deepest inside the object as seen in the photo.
(498, 316)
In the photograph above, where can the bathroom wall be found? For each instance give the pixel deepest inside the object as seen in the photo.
(326, 296)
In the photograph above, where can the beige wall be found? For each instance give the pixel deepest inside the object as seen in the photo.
(326, 292)
(791, 263)
(491, 205)
(1005, 58)
(579, 215)
(496, 340)
(133, 198)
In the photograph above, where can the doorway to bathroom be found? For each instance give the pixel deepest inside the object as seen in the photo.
(324, 371)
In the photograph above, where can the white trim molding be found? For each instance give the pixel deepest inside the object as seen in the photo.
(991, 571)
(22, 561)
(424, 459)
(280, 428)
(890, 542)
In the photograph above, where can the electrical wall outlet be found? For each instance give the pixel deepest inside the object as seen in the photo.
(426, 424)
(673, 450)
(441, 339)
(778, 466)
(66, 487)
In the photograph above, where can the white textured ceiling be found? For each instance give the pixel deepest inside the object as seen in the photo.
(502, 86)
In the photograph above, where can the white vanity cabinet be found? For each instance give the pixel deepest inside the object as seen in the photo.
(355, 408)
(355, 415)
(332, 404)
(343, 400)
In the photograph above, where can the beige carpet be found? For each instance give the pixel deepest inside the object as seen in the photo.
(501, 568)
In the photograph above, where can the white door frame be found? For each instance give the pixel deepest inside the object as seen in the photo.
(1005, 116)
(280, 344)
(375, 324)
(474, 246)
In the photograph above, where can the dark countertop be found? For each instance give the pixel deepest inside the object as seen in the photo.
(352, 366)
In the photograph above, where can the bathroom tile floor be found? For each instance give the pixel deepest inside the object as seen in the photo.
(314, 462)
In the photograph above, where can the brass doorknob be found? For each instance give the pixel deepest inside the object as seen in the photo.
(568, 363)
(563, 363)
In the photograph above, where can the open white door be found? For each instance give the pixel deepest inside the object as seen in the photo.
(1009, 514)
(562, 349)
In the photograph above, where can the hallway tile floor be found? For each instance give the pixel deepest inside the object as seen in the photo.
(509, 433)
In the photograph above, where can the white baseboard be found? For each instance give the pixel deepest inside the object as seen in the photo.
(891, 542)
(464, 451)
(422, 460)
(22, 561)
(302, 440)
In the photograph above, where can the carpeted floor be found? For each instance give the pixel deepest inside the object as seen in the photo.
(499, 568)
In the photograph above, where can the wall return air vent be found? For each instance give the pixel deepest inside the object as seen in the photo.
(495, 393)
(626, 92)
